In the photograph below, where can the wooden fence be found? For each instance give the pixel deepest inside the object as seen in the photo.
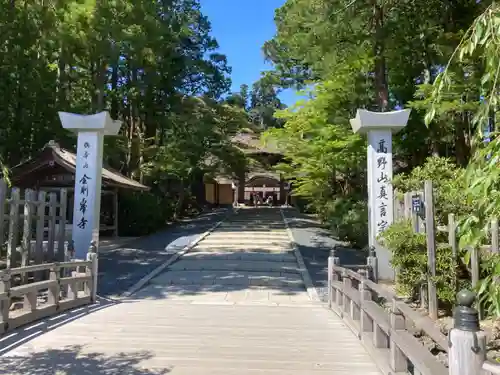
(28, 223)
(38, 278)
(404, 208)
(388, 329)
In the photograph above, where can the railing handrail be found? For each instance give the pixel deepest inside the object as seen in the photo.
(379, 329)
(70, 284)
(491, 367)
(420, 321)
(384, 332)
(44, 267)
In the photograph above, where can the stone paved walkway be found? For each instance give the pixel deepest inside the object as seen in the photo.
(122, 267)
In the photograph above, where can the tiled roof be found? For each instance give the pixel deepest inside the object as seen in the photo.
(67, 160)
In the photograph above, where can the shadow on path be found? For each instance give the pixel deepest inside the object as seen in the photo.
(24, 334)
(73, 360)
(314, 243)
(121, 268)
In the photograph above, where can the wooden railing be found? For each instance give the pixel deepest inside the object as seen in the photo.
(491, 368)
(68, 285)
(388, 328)
(383, 322)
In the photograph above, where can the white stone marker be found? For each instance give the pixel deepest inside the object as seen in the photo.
(379, 127)
(88, 175)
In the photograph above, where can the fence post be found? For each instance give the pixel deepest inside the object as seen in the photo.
(13, 228)
(467, 343)
(494, 236)
(61, 235)
(431, 249)
(27, 231)
(92, 271)
(452, 241)
(333, 260)
(40, 228)
(3, 201)
(51, 236)
(5, 303)
(407, 205)
(474, 265)
(372, 263)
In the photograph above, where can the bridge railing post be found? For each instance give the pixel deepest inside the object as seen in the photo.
(372, 263)
(333, 260)
(466, 340)
(92, 271)
(397, 359)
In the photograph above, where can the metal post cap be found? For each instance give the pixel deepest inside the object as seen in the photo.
(93, 247)
(465, 316)
(333, 251)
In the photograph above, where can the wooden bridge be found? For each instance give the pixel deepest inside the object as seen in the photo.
(239, 302)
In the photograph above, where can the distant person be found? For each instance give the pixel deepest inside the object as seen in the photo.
(269, 200)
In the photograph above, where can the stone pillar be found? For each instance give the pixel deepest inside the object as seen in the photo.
(379, 127)
(88, 175)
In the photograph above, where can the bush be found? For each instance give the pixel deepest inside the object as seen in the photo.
(347, 219)
(448, 182)
(142, 213)
(409, 257)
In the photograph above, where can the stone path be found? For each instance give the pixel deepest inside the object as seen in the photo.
(235, 304)
(247, 259)
(122, 267)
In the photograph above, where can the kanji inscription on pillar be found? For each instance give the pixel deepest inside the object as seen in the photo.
(86, 187)
(381, 176)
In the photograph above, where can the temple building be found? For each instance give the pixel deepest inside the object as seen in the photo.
(259, 177)
(54, 168)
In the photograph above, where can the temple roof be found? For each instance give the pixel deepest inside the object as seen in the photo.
(52, 154)
(251, 144)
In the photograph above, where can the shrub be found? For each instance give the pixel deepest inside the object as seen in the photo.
(448, 182)
(347, 219)
(409, 257)
(142, 213)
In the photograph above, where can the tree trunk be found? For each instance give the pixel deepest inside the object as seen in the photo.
(381, 90)
(114, 86)
(462, 142)
(180, 201)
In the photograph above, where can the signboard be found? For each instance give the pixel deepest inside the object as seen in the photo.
(87, 190)
(416, 204)
(380, 143)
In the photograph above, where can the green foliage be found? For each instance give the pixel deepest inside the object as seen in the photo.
(409, 257)
(488, 289)
(346, 218)
(142, 213)
(480, 42)
(323, 157)
(449, 186)
(152, 64)
(483, 182)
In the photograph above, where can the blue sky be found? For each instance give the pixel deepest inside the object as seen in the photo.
(241, 27)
